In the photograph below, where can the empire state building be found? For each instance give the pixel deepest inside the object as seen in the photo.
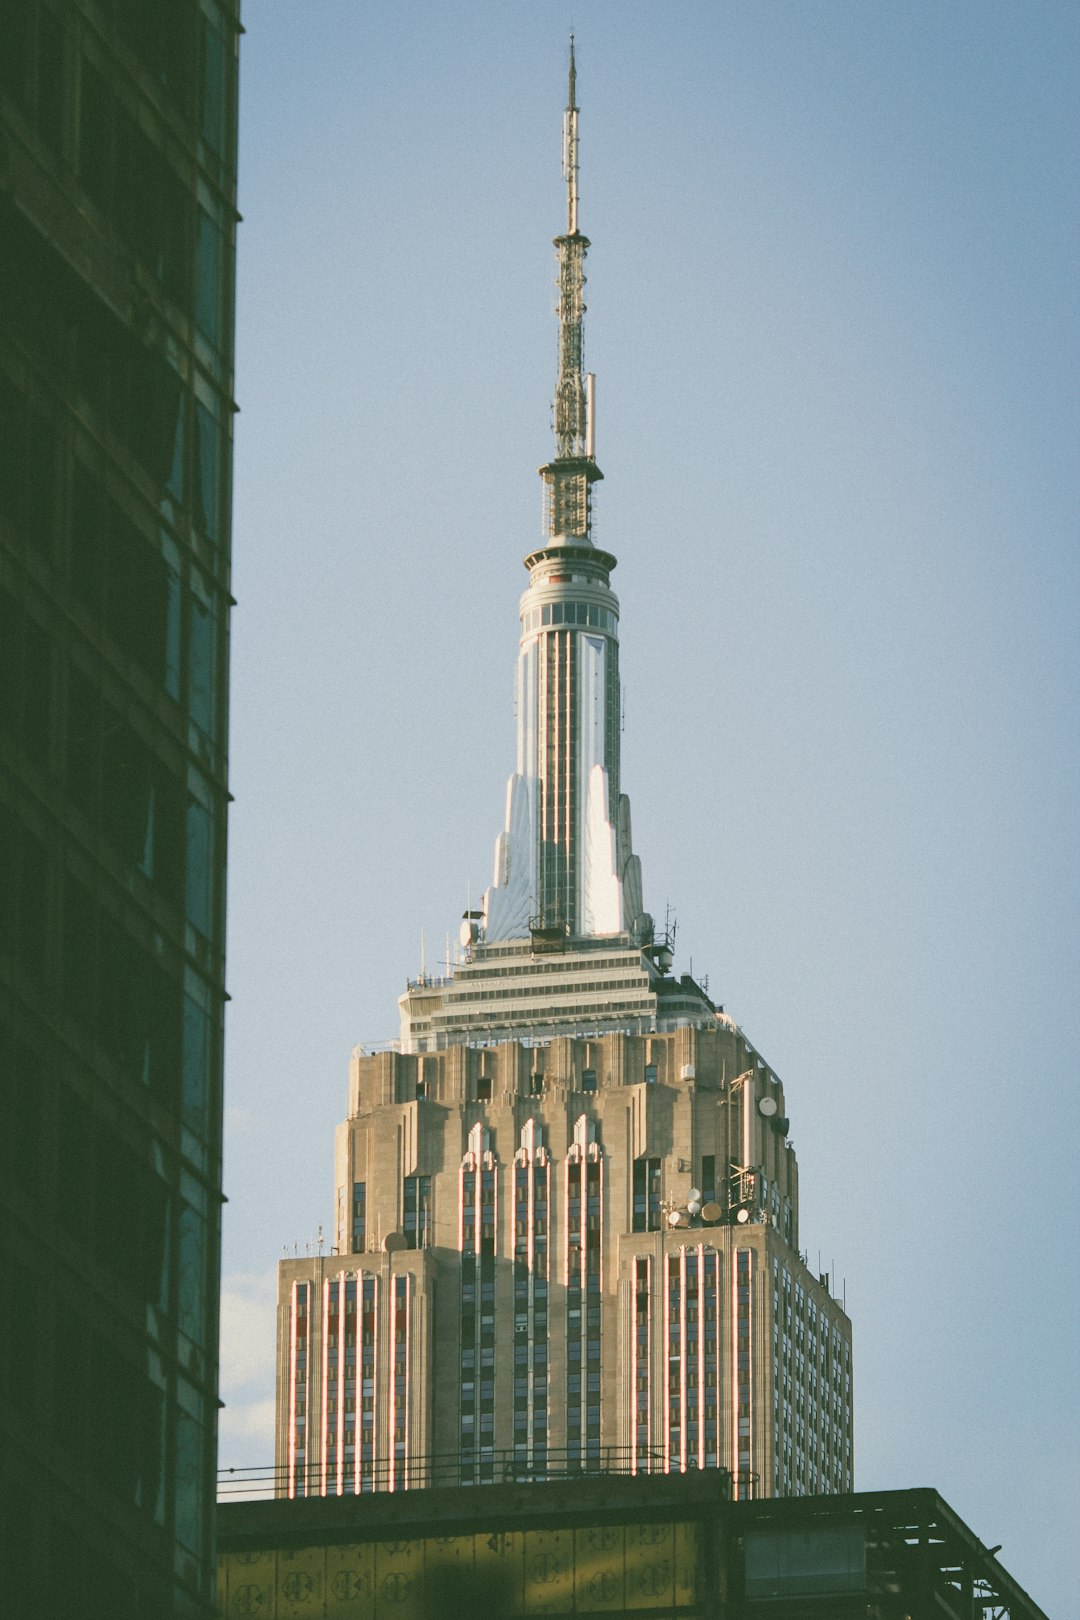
(567, 1216)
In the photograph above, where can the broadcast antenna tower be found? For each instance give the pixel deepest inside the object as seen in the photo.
(569, 477)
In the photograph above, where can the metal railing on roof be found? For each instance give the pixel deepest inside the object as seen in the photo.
(488, 1467)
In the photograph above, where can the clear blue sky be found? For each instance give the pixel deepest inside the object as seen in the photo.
(833, 314)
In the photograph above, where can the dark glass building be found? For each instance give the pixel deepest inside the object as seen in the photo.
(117, 230)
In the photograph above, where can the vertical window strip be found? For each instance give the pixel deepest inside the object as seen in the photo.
(584, 1308)
(366, 1404)
(478, 1225)
(742, 1378)
(488, 1208)
(416, 1211)
(538, 1331)
(576, 1377)
(298, 1391)
(469, 1205)
(338, 1425)
(693, 1260)
(593, 1250)
(359, 1217)
(710, 1331)
(523, 1240)
(348, 1395)
(531, 1193)
(673, 1368)
(400, 1301)
(641, 1355)
(330, 1342)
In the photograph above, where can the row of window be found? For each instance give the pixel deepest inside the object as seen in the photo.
(588, 615)
(534, 969)
(482, 1089)
(639, 1012)
(417, 1205)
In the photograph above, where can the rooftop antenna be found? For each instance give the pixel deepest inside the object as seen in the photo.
(570, 149)
(423, 957)
(569, 476)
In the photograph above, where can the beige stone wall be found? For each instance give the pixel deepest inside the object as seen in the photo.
(412, 1115)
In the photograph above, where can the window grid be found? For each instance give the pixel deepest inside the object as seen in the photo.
(641, 1431)
(416, 1212)
(531, 1228)
(645, 1215)
(742, 1379)
(477, 1225)
(584, 1237)
(359, 1217)
(298, 1390)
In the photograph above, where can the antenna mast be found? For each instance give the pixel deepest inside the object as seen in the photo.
(569, 477)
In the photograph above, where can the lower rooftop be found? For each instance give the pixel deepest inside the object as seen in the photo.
(671, 1545)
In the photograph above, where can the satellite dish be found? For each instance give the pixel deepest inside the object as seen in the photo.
(688, 1071)
(394, 1242)
(467, 932)
(767, 1106)
(783, 1126)
(743, 1216)
(694, 1195)
(693, 1206)
(675, 1217)
(711, 1212)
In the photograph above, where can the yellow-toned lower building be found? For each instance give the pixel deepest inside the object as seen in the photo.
(673, 1545)
(604, 1569)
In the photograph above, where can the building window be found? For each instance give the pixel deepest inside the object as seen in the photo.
(202, 662)
(646, 1211)
(650, 1074)
(416, 1222)
(200, 867)
(209, 286)
(207, 472)
(359, 1217)
(483, 1088)
(588, 1079)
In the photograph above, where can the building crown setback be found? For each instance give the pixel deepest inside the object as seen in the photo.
(571, 1152)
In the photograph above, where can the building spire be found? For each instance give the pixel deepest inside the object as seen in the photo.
(564, 865)
(570, 148)
(568, 478)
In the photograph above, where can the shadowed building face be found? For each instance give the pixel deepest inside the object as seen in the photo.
(117, 225)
